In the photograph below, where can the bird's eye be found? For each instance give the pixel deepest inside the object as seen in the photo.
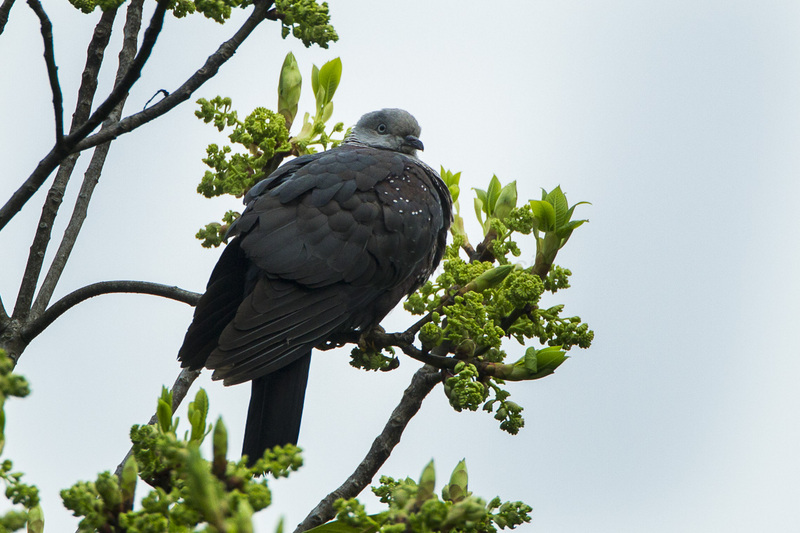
(381, 128)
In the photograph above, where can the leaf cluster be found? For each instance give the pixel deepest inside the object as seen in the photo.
(262, 140)
(18, 492)
(306, 20)
(188, 490)
(415, 507)
(478, 301)
(216, 10)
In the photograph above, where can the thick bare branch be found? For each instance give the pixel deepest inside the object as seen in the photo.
(179, 390)
(5, 9)
(185, 91)
(421, 384)
(86, 92)
(52, 69)
(41, 239)
(105, 287)
(92, 175)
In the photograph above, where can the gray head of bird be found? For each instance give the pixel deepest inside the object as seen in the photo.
(388, 129)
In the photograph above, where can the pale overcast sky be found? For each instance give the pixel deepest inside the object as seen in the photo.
(679, 121)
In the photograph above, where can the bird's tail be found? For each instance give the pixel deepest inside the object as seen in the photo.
(276, 407)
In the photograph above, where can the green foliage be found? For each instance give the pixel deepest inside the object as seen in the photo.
(87, 6)
(19, 493)
(371, 358)
(188, 490)
(306, 20)
(414, 507)
(260, 142)
(262, 134)
(474, 304)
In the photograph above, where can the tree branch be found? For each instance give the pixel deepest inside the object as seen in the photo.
(38, 325)
(86, 92)
(421, 384)
(60, 150)
(185, 91)
(92, 175)
(179, 390)
(5, 9)
(75, 143)
(120, 90)
(41, 239)
(52, 69)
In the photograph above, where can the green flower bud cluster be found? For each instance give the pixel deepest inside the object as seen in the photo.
(414, 507)
(188, 489)
(370, 359)
(557, 278)
(263, 134)
(214, 233)
(554, 330)
(306, 20)
(464, 390)
(87, 6)
(216, 10)
(508, 413)
(20, 493)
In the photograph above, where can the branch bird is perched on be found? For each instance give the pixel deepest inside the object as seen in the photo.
(328, 243)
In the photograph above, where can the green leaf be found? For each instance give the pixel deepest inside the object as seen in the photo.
(492, 193)
(314, 79)
(164, 414)
(328, 79)
(479, 210)
(506, 200)
(544, 213)
(327, 111)
(571, 209)
(559, 202)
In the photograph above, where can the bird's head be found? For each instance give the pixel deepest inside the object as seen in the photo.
(388, 129)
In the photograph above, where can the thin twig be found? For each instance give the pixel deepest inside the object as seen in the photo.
(60, 150)
(92, 175)
(52, 69)
(120, 90)
(54, 157)
(5, 9)
(32, 329)
(86, 92)
(185, 91)
(421, 384)
(179, 390)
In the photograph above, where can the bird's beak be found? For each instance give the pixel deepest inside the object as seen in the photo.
(413, 142)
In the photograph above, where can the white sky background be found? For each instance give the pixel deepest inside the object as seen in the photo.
(679, 121)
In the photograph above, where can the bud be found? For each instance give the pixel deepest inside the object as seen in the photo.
(491, 278)
(289, 86)
(108, 489)
(220, 442)
(458, 482)
(36, 520)
(506, 201)
(128, 482)
(427, 483)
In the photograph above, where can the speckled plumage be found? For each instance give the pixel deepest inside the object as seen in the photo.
(329, 242)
